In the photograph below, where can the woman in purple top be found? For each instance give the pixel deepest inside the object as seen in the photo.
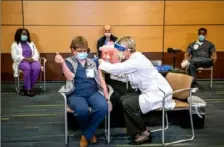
(26, 58)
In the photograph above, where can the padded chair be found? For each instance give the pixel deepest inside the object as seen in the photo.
(200, 69)
(181, 85)
(68, 110)
(43, 73)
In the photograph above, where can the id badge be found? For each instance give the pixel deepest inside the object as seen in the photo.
(90, 73)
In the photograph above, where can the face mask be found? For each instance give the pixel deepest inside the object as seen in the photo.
(24, 37)
(201, 37)
(107, 34)
(82, 55)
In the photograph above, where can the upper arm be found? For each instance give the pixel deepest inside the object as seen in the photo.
(69, 65)
(119, 68)
(212, 48)
(189, 49)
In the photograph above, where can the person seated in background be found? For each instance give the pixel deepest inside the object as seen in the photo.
(200, 53)
(149, 84)
(108, 37)
(88, 89)
(26, 58)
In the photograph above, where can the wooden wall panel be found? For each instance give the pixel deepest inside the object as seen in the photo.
(194, 12)
(7, 37)
(180, 36)
(50, 39)
(53, 70)
(11, 12)
(93, 12)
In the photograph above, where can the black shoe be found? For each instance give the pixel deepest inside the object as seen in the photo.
(146, 140)
(29, 93)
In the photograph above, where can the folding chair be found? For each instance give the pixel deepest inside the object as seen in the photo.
(181, 84)
(68, 110)
(42, 81)
(200, 69)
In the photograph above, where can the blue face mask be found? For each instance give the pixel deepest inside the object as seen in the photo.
(82, 55)
(201, 37)
(24, 37)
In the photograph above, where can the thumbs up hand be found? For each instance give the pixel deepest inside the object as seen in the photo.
(59, 58)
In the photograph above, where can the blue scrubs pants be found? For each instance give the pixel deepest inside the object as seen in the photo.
(89, 121)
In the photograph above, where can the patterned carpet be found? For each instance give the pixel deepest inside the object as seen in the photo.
(39, 121)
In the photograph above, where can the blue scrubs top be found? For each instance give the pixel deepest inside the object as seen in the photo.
(84, 87)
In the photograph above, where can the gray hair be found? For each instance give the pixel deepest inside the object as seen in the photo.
(128, 42)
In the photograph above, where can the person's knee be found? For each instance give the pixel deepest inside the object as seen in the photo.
(81, 112)
(25, 67)
(125, 103)
(36, 66)
(102, 108)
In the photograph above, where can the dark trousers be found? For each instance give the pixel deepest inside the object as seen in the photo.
(120, 89)
(192, 69)
(132, 113)
(89, 122)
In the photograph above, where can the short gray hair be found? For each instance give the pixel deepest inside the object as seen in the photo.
(128, 42)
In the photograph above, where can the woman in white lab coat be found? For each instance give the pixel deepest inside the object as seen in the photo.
(26, 58)
(150, 87)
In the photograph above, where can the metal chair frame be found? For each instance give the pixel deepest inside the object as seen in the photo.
(107, 122)
(211, 75)
(164, 114)
(42, 81)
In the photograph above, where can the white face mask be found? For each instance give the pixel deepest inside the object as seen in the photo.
(107, 34)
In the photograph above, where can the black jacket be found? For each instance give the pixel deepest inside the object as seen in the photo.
(101, 42)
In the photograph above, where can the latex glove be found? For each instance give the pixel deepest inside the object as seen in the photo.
(110, 107)
(59, 58)
(100, 61)
(185, 63)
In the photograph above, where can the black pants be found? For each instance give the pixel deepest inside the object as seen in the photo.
(132, 113)
(192, 69)
(120, 89)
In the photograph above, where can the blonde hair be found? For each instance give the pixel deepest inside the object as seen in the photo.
(128, 42)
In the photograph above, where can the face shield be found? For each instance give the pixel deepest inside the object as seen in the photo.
(121, 49)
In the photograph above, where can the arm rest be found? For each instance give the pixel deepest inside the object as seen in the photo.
(43, 62)
(179, 90)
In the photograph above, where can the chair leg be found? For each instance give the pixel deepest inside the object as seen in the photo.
(167, 124)
(43, 81)
(107, 127)
(17, 84)
(211, 79)
(179, 141)
(66, 124)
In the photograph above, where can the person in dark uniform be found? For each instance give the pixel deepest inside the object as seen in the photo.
(106, 38)
(200, 53)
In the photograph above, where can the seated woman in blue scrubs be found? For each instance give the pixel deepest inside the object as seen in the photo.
(89, 90)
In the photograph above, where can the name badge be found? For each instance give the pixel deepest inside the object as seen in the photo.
(196, 46)
(90, 73)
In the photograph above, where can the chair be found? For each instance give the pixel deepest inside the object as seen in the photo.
(42, 81)
(200, 69)
(180, 84)
(68, 110)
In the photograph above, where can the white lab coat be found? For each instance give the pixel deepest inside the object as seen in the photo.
(17, 55)
(144, 76)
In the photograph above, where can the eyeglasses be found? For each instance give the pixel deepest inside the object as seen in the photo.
(81, 50)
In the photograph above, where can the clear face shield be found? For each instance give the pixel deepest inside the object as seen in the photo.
(120, 51)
